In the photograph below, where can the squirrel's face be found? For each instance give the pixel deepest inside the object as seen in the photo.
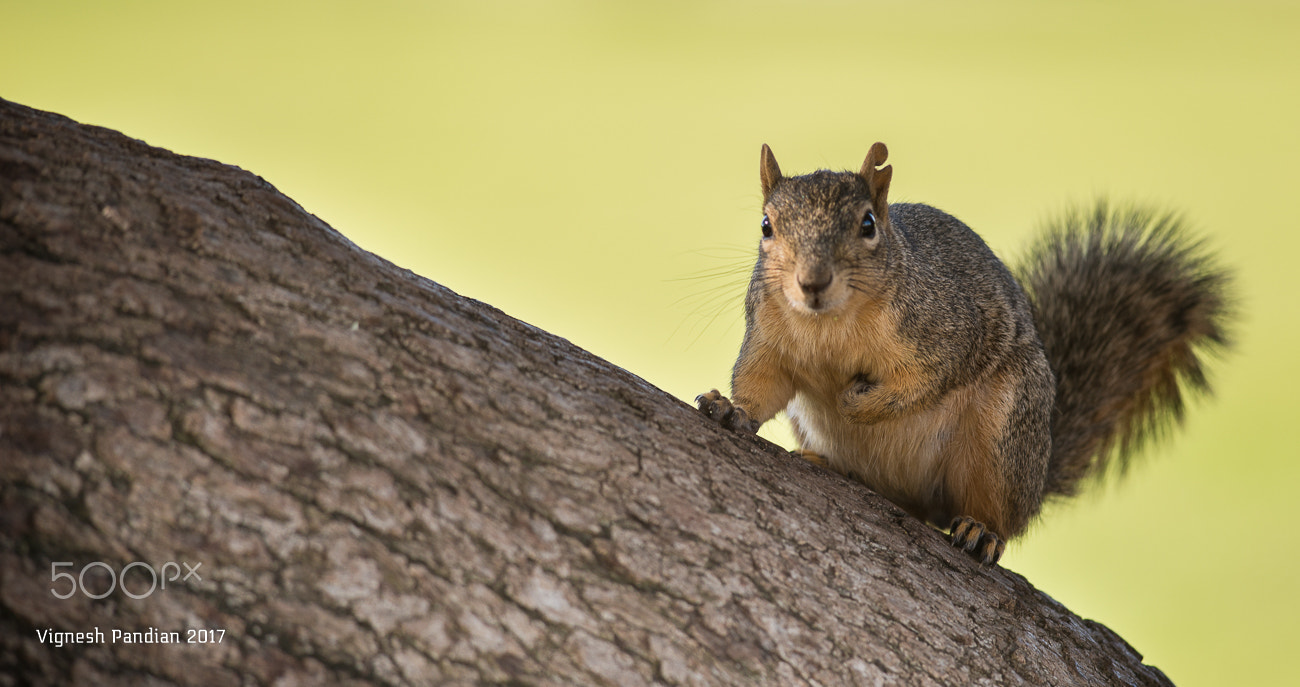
(824, 245)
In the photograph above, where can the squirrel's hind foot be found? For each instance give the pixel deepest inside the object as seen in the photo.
(815, 459)
(720, 410)
(973, 537)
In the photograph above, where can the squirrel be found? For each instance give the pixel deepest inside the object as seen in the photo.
(907, 355)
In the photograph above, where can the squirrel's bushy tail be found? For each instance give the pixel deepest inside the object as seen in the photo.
(1124, 300)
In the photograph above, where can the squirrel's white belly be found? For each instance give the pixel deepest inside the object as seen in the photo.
(899, 458)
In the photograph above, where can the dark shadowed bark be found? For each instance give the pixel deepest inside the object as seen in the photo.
(378, 481)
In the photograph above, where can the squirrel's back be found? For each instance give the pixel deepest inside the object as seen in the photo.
(959, 276)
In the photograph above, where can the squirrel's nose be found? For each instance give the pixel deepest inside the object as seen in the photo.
(814, 282)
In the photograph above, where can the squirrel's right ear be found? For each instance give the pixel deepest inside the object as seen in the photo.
(768, 171)
(878, 179)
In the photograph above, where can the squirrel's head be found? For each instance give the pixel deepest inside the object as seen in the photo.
(826, 235)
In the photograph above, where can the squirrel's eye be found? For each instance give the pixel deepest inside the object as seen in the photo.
(869, 225)
(767, 227)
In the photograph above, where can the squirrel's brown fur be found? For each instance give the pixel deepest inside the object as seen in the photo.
(907, 355)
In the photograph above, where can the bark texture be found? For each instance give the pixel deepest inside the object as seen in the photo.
(383, 482)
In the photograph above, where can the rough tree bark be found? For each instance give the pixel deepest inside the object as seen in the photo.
(382, 482)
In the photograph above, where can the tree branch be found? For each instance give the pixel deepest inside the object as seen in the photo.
(382, 482)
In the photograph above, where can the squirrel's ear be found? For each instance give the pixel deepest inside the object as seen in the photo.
(768, 171)
(878, 179)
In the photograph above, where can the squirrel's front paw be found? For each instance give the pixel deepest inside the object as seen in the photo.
(973, 537)
(856, 403)
(721, 411)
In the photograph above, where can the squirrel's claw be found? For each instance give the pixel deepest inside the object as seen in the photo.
(973, 537)
(720, 410)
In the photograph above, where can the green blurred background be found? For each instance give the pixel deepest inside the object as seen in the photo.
(591, 168)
